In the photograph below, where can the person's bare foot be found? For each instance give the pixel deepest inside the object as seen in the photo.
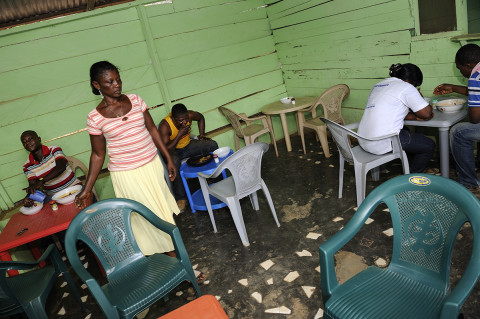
(181, 203)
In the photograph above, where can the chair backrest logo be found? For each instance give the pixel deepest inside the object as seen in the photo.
(111, 240)
(424, 232)
(419, 180)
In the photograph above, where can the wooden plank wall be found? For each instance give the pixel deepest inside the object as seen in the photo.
(203, 53)
(321, 43)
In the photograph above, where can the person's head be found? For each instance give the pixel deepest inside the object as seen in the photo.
(31, 141)
(407, 72)
(466, 58)
(104, 76)
(179, 114)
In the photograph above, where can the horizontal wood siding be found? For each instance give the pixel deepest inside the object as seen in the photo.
(209, 53)
(322, 43)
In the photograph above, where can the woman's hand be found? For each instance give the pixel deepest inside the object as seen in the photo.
(172, 170)
(27, 202)
(84, 199)
(443, 89)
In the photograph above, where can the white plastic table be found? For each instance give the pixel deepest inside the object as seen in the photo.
(278, 108)
(442, 121)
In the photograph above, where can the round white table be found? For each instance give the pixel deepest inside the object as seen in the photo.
(278, 108)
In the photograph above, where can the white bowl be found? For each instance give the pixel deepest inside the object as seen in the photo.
(222, 151)
(67, 195)
(450, 105)
(37, 206)
(287, 100)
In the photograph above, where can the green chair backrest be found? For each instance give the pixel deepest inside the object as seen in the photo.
(106, 230)
(427, 212)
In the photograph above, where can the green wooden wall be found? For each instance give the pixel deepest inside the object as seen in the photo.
(204, 53)
(321, 43)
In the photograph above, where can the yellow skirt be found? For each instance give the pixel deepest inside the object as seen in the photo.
(146, 185)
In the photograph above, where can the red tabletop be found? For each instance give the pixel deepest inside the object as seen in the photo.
(44, 223)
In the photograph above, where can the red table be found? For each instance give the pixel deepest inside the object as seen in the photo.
(45, 223)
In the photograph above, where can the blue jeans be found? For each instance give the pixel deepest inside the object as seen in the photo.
(462, 138)
(194, 148)
(419, 149)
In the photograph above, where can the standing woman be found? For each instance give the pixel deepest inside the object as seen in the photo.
(122, 125)
(390, 102)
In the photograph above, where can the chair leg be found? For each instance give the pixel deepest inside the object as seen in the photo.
(35, 309)
(270, 202)
(322, 135)
(236, 211)
(237, 142)
(302, 136)
(206, 197)
(340, 176)
(360, 182)
(254, 200)
(406, 167)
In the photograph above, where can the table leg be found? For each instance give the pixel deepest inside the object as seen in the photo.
(5, 256)
(444, 151)
(187, 190)
(283, 118)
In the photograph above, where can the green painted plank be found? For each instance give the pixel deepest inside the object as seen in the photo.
(377, 45)
(79, 93)
(84, 21)
(61, 47)
(184, 5)
(299, 14)
(202, 40)
(210, 79)
(282, 8)
(159, 9)
(351, 25)
(208, 59)
(204, 18)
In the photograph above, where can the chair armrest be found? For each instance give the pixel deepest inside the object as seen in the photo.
(463, 288)
(24, 265)
(328, 249)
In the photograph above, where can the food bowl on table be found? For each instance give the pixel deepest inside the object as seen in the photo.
(200, 160)
(67, 195)
(450, 105)
(222, 151)
(287, 100)
(37, 206)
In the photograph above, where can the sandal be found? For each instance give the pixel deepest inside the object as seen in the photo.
(432, 171)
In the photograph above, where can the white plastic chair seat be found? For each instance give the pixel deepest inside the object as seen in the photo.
(245, 167)
(362, 160)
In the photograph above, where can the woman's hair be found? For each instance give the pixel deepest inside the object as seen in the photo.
(407, 72)
(469, 53)
(97, 69)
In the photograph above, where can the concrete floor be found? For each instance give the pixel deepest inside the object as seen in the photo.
(249, 281)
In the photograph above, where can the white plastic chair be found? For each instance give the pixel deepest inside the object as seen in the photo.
(75, 163)
(331, 101)
(362, 161)
(252, 131)
(245, 167)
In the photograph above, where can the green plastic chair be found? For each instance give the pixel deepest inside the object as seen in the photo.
(427, 212)
(135, 281)
(29, 291)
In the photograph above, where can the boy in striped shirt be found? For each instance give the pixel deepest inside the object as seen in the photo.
(464, 134)
(46, 167)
